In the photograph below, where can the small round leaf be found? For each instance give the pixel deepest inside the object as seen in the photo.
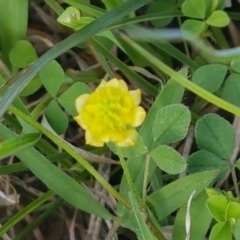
(169, 160)
(171, 123)
(218, 19)
(216, 135)
(56, 117)
(194, 9)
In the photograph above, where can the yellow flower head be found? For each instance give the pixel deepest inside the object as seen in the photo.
(110, 114)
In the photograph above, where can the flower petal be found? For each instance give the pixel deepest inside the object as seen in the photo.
(136, 95)
(122, 85)
(80, 101)
(92, 141)
(79, 120)
(112, 83)
(129, 140)
(101, 85)
(139, 116)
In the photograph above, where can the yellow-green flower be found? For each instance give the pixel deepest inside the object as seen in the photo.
(110, 114)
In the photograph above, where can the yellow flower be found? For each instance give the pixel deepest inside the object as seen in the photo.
(110, 114)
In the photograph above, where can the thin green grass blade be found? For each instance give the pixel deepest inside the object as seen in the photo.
(37, 222)
(141, 228)
(25, 211)
(177, 54)
(125, 69)
(100, 24)
(12, 146)
(55, 179)
(183, 81)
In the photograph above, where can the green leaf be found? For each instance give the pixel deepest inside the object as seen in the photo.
(32, 86)
(141, 228)
(235, 65)
(218, 19)
(216, 135)
(111, 4)
(175, 194)
(72, 19)
(52, 77)
(56, 117)
(159, 7)
(200, 219)
(170, 94)
(194, 9)
(15, 145)
(203, 160)
(231, 89)
(14, 24)
(171, 124)
(217, 206)
(210, 77)
(237, 164)
(23, 54)
(169, 160)
(55, 179)
(221, 231)
(68, 98)
(194, 27)
(233, 210)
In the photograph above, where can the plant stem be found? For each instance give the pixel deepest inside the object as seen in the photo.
(235, 182)
(127, 175)
(141, 204)
(145, 179)
(67, 147)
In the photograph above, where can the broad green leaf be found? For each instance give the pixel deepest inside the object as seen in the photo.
(235, 65)
(218, 19)
(23, 54)
(141, 228)
(221, 231)
(194, 9)
(55, 179)
(15, 145)
(194, 27)
(68, 98)
(56, 117)
(161, 6)
(169, 160)
(200, 219)
(216, 135)
(203, 160)
(170, 94)
(171, 124)
(217, 206)
(232, 211)
(210, 77)
(177, 193)
(52, 77)
(231, 89)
